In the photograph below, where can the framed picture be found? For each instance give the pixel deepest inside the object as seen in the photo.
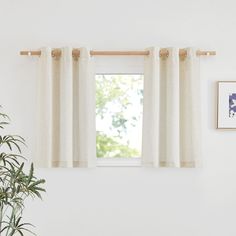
(226, 105)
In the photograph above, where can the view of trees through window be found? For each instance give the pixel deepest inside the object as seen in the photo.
(119, 107)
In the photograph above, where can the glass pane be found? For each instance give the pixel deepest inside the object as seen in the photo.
(119, 106)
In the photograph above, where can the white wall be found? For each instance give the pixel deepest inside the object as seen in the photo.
(126, 201)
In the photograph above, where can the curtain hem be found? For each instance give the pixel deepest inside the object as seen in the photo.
(188, 164)
(67, 164)
(164, 164)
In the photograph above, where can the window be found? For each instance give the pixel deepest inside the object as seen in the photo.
(119, 106)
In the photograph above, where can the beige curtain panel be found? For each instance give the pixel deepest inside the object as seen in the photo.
(66, 135)
(172, 110)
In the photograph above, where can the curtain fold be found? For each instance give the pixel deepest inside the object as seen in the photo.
(190, 119)
(171, 113)
(66, 134)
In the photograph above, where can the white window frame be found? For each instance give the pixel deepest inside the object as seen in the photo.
(119, 65)
(118, 162)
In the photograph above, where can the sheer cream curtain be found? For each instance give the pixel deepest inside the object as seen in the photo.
(66, 134)
(172, 110)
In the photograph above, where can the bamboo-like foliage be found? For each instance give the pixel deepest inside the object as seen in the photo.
(15, 184)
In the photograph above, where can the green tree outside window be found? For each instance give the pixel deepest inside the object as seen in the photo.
(119, 100)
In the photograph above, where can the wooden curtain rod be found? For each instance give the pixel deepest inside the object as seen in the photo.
(76, 53)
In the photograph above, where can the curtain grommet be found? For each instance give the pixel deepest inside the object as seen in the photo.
(164, 53)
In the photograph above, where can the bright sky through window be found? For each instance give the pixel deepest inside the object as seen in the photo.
(119, 107)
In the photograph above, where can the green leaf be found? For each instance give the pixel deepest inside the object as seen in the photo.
(30, 174)
(41, 181)
(15, 185)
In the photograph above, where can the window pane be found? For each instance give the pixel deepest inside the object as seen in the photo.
(119, 105)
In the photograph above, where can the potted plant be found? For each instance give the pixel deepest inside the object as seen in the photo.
(15, 184)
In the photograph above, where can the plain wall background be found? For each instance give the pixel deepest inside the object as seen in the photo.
(126, 201)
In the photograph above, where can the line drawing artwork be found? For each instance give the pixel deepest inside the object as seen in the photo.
(232, 105)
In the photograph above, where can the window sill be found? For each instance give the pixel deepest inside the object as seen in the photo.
(118, 162)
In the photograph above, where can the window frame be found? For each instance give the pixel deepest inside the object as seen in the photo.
(118, 161)
(119, 65)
